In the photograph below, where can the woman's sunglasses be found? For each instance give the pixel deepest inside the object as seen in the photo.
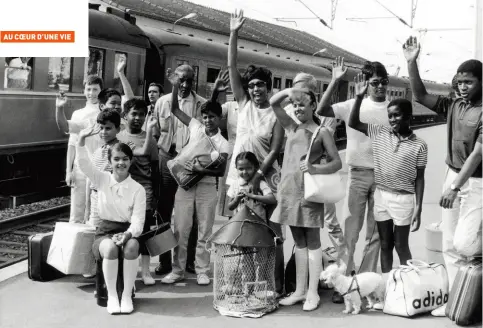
(260, 84)
(375, 83)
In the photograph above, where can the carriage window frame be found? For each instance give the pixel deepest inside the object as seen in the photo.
(211, 76)
(102, 66)
(277, 81)
(70, 79)
(10, 70)
(288, 83)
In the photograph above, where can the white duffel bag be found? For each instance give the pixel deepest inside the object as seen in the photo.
(416, 288)
(71, 249)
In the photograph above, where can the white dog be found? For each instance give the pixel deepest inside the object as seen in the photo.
(368, 284)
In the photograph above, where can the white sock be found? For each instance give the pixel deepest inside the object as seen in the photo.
(315, 268)
(130, 271)
(110, 269)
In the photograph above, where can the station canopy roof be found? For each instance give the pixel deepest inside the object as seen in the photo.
(216, 21)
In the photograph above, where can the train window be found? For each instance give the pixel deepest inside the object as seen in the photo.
(59, 73)
(325, 87)
(18, 73)
(117, 81)
(277, 83)
(212, 74)
(392, 93)
(95, 63)
(288, 83)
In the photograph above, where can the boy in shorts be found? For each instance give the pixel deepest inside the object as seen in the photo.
(400, 159)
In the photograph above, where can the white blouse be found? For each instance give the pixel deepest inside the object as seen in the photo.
(117, 201)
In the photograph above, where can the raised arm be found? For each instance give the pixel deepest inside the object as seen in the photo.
(221, 84)
(126, 86)
(180, 115)
(411, 51)
(334, 165)
(97, 177)
(236, 24)
(60, 118)
(276, 102)
(338, 72)
(361, 85)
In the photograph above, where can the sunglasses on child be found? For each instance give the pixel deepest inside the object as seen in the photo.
(375, 83)
(260, 84)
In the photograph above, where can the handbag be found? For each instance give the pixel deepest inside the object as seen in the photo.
(416, 288)
(187, 179)
(160, 239)
(322, 188)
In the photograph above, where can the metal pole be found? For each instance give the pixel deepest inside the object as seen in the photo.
(478, 28)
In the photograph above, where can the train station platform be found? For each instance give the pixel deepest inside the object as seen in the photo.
(69, 302)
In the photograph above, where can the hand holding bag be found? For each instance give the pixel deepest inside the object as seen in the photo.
(205, 151)
(416, 288)
(159, 240)
(322, 188)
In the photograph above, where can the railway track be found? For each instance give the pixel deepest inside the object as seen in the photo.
(14, 232)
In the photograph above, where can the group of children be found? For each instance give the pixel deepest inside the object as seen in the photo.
(111, 152)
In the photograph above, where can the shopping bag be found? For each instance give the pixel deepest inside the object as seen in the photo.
(71, 249)
(203, 150)
(322, 188)
(160, 239)
(416, 288)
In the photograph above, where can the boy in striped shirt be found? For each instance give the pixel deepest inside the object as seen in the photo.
(400, 159)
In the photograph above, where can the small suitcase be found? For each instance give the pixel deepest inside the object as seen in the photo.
(464, 303)
(38, 249)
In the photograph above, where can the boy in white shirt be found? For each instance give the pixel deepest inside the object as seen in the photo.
(200, 200)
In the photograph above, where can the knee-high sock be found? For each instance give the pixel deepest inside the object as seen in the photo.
(130, 272)
(315, 267)
(301, 264)
(110, 269)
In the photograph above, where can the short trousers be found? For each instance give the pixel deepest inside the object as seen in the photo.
(106, 230)
(394, 206)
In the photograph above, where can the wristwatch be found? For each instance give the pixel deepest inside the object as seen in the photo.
(453, 187)
(261, 173)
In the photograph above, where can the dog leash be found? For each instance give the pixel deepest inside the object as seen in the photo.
(350, 290)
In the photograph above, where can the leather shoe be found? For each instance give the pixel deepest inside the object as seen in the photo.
(162, 270)
(190, 268)
(337, 298)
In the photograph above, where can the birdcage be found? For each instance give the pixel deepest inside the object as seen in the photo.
(244, 279)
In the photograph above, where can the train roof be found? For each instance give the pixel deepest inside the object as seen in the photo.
(217, 21)
(109, 27)
(215, 50)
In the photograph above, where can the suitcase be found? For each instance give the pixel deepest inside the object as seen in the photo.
(464, 303)
(38, 249)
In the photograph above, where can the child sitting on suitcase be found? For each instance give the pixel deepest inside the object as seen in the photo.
(122, 208)
(144, 168)
(200, 200)
(400, 159)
